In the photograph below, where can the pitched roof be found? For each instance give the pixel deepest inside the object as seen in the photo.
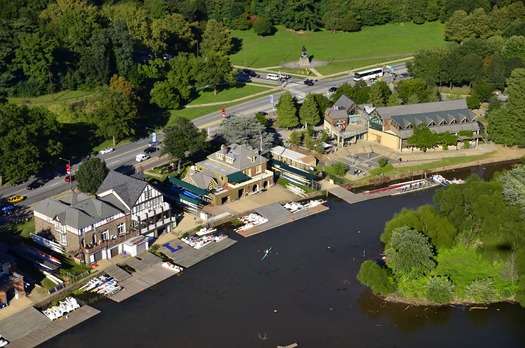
(78, 215)
(450, 107)
(127, 188)
(232, 159)
(344, 102)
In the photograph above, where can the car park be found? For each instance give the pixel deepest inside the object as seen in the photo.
(16, 199)
(106, 150)
(69, 178)
(309, 82)
(150, 149)
(35, 184)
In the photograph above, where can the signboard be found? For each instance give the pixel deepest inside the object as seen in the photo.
(271, 98)
(223, 110)
(68, 168)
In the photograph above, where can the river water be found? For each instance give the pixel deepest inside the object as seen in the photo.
(305, 291)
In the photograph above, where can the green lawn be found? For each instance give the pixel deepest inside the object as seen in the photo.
(378, 43)
(52, 98)
(231, 93)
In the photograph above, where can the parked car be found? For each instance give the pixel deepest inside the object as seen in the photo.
(404, 75)
(35, 184)
(106, 150)
(332, 89)
(16, 199)
(285, 76)
(309, 82)
(69, 178)
(251, 73)
(150, 149)
(6, 209)
(19, 182)
(152, 143)
(141, 157)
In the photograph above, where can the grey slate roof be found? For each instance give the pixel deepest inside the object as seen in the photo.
(344, 102)
(445, 108)
(240, 159)
(126, 187)
(79, 215)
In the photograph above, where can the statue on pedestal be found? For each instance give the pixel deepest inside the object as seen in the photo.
(304, 60)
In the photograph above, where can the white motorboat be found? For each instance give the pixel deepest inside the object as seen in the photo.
(205, 230)
(171, 267)
(3, 341)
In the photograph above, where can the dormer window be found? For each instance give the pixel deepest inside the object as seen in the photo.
(220, 156)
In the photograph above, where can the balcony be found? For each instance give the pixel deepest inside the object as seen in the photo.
(110, 243)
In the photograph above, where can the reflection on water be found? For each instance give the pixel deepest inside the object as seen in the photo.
(305, 291)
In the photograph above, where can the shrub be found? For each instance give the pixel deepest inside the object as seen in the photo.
(263, 26)
(480, 291)
(473, 102)
(440, 290)
(338, 168)
(383, 161)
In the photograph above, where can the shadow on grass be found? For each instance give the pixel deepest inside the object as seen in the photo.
(236, 45)
(79, 139)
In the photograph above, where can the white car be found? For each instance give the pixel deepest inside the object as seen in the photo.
(106, 150)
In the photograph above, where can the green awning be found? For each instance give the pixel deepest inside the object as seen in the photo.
(238, 177)
(287, 167)
(188, 186)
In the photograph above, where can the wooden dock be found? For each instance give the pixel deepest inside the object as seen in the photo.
(278, 215)
(186, 256)
(30, 327)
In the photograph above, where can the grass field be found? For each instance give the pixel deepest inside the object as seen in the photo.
(379, 43)
(47, 99)
(231, 93)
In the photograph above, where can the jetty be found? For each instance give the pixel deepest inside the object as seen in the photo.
(30, 327)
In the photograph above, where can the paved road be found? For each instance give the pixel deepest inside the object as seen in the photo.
(123, 158)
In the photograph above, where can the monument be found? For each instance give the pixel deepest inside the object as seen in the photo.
(304, 61)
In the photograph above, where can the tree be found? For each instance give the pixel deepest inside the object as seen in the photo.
(91, 174)
(394, 100)
(514, 187)
(504, 123)
(447, 139)
(440, 290)
(263, 26)
(376, 96)
(295, 138)
(423, 138)
(245, 131)
(309, 113)
(115, 115)
(287, 111)
(458, 27)
(182, 138)
(375, 277)
(480, 291)
(215, 40)
(409, 253)
(28, 140)
(215, 69)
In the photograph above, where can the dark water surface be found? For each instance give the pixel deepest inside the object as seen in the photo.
(305, 291)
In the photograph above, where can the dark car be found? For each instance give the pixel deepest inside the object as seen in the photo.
(332, 89)
(35, 184)
(150, 149)
(404, 75)
(69, 178)
(250, 73)
(309, 82)
(19, 182)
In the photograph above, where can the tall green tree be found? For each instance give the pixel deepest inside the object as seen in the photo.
(216, 40)
(287, 111)
(213, 70)
(376, 277)
(409, 253)
(182, 138)
(115, 115)
(309, 113)
(91, 174)
(29, 139)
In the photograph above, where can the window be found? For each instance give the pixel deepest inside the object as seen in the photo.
(121, 228)
(63, 239)
(258, 169)
(104, 235)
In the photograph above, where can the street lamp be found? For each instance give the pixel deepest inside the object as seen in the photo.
(68, 172)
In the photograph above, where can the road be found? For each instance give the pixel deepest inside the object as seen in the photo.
(123, 158)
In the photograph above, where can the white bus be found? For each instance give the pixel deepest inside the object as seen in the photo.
(368, 74)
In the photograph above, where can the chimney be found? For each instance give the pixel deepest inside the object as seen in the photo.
(224, 151)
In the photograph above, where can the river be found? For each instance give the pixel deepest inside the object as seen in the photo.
(305, 291)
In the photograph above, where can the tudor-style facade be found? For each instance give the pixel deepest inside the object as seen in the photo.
(92, 229)
(391, 126)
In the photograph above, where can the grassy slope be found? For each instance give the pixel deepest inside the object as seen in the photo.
(379, 43)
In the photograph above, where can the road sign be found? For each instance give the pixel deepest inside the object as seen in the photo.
(223, 110)
(271, 98)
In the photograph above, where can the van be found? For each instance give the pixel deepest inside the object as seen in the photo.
(141, 157)
(273, 77)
